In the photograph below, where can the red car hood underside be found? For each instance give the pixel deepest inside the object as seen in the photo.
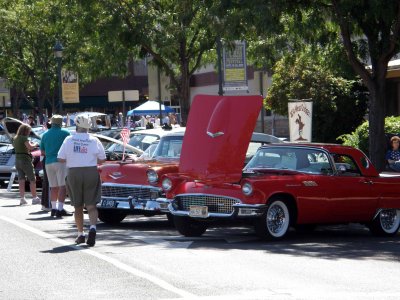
(218, 133)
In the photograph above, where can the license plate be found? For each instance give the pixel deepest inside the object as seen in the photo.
(109, 203)
(198, 211)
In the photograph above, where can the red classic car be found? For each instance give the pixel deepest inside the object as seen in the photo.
(125, 184)
(283, 185)
(134, 187)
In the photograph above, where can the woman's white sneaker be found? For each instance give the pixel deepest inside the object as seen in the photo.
(23, 201)
(36, 200)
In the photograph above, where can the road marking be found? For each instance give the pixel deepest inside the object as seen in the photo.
(155, 280)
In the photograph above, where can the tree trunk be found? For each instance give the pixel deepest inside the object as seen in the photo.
(377, 140)
(184, 92)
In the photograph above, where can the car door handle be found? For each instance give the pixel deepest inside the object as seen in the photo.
(367, 182)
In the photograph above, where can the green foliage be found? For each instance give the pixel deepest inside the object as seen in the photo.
(174, 35)
(339, 104)
(28, 31)
(359, 138)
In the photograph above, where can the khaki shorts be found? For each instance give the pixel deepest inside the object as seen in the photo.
(56, 173)
(25, 169)
(83, 186)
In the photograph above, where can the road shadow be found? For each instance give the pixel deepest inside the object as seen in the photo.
(64, 249)
(40, 212)
(142, 223)
(327, 242)
(351, 241)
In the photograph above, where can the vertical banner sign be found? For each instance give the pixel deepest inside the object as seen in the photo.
(5, 99)
(70, 86)
(235, 74)
(300, 121)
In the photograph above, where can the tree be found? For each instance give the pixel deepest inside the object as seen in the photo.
(176, 34)
(369, 30)
(338, 104)
(372, 26)
(27, 34)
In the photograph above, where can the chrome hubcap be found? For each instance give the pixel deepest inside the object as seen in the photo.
(389, 219)
(276, 220)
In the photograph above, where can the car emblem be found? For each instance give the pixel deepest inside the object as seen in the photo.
(213, 135)
(116, 175)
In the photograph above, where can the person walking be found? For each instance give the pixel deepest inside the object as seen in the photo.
(23, 163)
(46, 203)
(82, 153)
(56, 171)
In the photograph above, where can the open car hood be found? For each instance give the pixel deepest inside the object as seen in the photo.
(11, 125)
(218, 133)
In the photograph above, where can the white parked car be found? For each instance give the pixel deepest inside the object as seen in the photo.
(7, 153)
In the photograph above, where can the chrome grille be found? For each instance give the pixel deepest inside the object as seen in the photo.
(4, 158)
(124, 191)
(215, 204)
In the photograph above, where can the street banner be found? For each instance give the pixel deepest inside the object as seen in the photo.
(126, 95)
(5, 99)
(70, 86)
(234, 64)
(300, 121)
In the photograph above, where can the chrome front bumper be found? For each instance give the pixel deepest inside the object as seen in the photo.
(132, 204)
(239, 210)
(131, 197)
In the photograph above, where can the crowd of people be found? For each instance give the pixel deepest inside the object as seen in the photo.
(70, 164)
(145, 121)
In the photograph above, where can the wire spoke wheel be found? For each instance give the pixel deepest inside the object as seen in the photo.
(390, 220)
(274, 223)
(387, 223)
(277, 219)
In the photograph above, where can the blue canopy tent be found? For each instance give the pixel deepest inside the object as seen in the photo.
(150, 108)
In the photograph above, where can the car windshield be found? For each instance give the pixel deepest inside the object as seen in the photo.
(148, 153)
(141, 141)
(306, 160)
(112, 133)
(169, 147)
(38, 130)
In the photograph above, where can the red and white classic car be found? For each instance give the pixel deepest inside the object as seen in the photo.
(284, 185)
(125, 184)
(134, 187)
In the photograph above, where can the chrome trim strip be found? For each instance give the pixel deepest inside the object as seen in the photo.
(126, 185)
(207, 195)
(216, 134)
(377, 213)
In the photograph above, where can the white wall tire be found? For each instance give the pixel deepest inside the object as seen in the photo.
(274, 223)
(387, 223)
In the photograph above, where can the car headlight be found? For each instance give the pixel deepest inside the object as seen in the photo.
(152, 176)
(247, 189)
(166, 184)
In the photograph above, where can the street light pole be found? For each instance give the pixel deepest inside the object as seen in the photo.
(159, 92)
(219, 62)
(58, 50)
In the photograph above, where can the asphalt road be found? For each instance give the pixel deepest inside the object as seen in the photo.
(145, 258)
